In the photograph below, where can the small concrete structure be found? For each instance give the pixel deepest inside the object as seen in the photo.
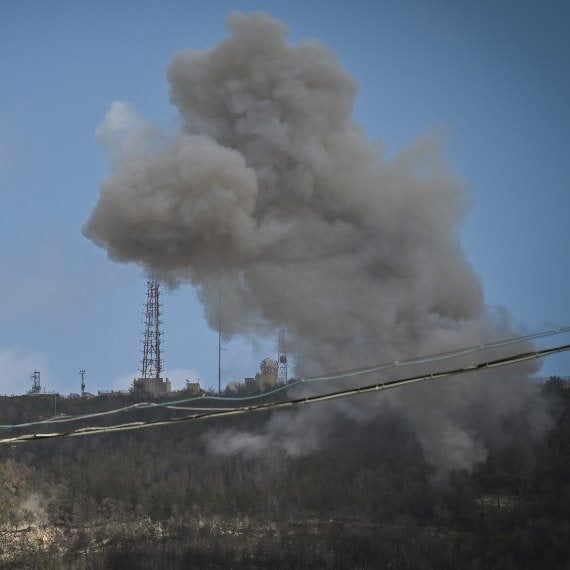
(193, 387)
(152, 386)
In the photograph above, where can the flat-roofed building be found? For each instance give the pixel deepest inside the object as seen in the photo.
(152, 386)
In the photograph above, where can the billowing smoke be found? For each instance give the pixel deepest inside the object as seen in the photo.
(272, 194)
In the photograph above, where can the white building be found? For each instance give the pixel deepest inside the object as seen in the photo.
(267, 375)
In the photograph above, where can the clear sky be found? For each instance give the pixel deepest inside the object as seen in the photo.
(492, 75)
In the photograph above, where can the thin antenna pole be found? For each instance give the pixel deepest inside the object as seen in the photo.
(220, 344)
(82, 374)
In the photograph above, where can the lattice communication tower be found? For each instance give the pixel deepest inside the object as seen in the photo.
(152, 364)
(36, 385)
(282, 373)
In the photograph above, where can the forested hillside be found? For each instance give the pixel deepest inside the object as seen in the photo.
(159, 498)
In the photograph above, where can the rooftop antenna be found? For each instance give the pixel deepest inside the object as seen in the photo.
(82, 374)
(152, 364)
(282, 376)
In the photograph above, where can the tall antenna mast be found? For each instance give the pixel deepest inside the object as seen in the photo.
(36, 385)
(82, 374)
(152, 364)
(220, 344)
(282, 376)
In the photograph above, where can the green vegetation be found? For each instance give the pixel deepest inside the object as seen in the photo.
(159, 499)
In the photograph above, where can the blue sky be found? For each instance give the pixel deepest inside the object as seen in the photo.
(492, 75)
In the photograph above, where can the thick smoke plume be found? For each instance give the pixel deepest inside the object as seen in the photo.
(273, 194)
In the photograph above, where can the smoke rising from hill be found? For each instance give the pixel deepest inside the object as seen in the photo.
(272, 193)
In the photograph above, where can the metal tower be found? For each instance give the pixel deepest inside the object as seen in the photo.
(82, 374)
(36, 386)
(282, 376)
(152, 364)
(220, 344)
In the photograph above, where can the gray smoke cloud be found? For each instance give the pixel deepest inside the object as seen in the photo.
(273, 194)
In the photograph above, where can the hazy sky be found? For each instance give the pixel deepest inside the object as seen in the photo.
(493, 76)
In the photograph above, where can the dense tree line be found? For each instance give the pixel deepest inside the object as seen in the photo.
(160, 499)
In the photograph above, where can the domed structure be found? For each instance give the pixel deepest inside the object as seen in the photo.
(268, 364)
(267, 375)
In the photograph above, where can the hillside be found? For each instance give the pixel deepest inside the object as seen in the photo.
(162, 499)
